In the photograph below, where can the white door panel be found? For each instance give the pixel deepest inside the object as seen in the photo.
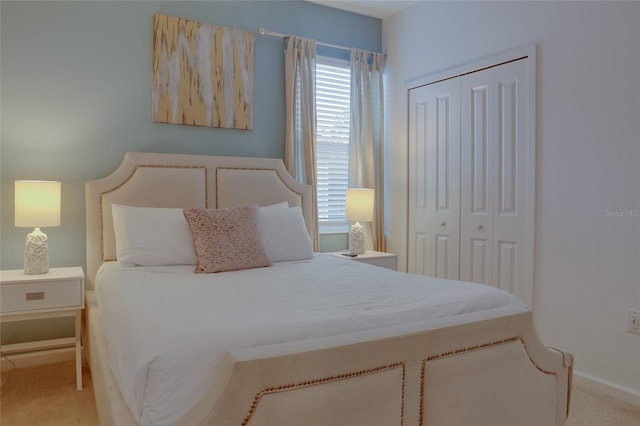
(514, 205)
(434, 179)
(477, 177)
(495, 208)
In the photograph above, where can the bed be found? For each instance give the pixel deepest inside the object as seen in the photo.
(311, 339)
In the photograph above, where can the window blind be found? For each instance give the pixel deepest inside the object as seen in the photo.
(333, 92)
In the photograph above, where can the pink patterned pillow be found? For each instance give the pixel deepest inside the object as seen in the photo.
(226, 239)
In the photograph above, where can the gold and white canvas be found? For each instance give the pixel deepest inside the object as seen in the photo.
(203, 75)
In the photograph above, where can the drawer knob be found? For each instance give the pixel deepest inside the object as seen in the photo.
(39, 295)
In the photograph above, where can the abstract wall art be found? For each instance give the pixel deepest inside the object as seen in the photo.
(203, 74)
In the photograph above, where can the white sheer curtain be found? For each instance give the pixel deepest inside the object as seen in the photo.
(300, 125)
(366, 148)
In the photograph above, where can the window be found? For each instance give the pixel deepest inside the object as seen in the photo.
(333, 113)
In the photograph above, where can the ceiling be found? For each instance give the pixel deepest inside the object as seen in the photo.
(375, 8)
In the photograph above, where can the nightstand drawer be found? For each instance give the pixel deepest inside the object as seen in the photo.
(27, 296)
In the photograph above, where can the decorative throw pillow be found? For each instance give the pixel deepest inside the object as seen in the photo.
(150, 236)
(226, 239)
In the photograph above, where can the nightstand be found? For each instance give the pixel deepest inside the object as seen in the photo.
(377, 258)
(58, 293)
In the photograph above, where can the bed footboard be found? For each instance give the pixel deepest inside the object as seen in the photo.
(491, 372)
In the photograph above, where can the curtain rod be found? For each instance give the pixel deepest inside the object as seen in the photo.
(263, 32)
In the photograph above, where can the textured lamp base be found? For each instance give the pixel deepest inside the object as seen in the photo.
(356, 239)
(36, 253)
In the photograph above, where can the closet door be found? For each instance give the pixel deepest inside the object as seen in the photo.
(497, 202)
(477, 168)
(434, 179)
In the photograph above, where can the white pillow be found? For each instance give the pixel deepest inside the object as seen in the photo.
(284, 234)
(148, 236)
(280, 205)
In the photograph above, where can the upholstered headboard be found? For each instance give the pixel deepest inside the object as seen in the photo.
(184, 181)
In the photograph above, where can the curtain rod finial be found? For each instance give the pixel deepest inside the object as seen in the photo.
(261, 31)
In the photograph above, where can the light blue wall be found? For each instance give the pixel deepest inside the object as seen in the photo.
(76, 95)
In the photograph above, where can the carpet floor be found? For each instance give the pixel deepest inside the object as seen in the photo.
(46, 396)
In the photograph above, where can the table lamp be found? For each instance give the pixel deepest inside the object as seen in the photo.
(359, 208)
(37, 204)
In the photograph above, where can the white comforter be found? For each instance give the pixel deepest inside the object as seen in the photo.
(168, 329)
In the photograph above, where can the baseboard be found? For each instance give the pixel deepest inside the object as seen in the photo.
(31, 359)
(605, 387)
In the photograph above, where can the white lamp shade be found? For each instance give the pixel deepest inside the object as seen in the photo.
(37, 203)
(359, 205)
